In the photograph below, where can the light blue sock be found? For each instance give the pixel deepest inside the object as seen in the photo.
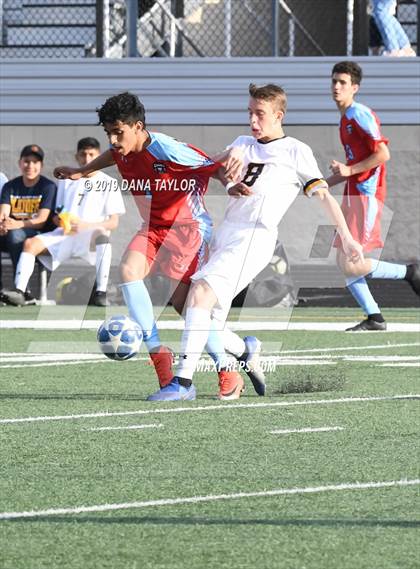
(140, 307)
(383, 270)
(215, 348)
(361, 293)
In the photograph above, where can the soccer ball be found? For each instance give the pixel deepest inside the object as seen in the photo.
(119, 337)
(279, 265)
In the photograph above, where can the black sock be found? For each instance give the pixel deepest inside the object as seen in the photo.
(376, 317)
(184, 382)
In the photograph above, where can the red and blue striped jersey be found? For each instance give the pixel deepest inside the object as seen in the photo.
(168, 180)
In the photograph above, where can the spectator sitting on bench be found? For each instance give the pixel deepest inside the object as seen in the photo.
(25, 205)
(88, 209)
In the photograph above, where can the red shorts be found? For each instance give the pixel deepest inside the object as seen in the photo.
(176, 252)
(363, 216)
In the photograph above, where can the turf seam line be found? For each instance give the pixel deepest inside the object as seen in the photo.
(209, 498)
(221, 407)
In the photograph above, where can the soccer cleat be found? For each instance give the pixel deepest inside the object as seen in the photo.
(231, 385)
(251, 363)
(99, 299)
(15, 297)
(368, 325)
(174, 392)
(163, 360)
(29, 298)
(413, 277)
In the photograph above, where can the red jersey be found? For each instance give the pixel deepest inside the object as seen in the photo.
(168, 180)
(360, 135)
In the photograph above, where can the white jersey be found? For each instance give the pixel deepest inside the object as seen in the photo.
(275, 171)
(90, 199)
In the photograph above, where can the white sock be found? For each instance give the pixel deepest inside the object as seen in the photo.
(103, 265)
(24, 270)
(194, 338)
(233, 343)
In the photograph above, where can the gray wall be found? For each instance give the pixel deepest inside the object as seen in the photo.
(52, 103)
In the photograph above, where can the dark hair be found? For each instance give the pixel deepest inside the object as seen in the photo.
(88, 142)
(351, 68)
(270, 92)
(124, 107)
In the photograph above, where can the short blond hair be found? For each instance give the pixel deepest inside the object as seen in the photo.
(270, 92)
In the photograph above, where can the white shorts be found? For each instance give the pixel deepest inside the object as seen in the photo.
(237, 255)
(63, 247)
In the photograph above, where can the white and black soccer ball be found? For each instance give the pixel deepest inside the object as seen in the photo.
(119, 337)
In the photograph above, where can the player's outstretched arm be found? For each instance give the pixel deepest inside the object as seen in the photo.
(232, 161)
(352, 249)
(335, 179)
(234, 189)
(103, 161)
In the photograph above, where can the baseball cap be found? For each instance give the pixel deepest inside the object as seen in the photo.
(32, 149)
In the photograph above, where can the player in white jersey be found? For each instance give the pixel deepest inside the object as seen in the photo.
(276, 169)
(88, 210)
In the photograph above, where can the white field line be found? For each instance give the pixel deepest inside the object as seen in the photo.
(221, 407)
(148, 426)
(349, 348)
(306, 430)
(401, 365)
(52, 356)
(179, 325)
(56, 363)
(209, 498)
(279, 352)
(381, 358)
(299, 362)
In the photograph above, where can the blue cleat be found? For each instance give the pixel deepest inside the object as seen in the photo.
(251, 364)
(174, 392)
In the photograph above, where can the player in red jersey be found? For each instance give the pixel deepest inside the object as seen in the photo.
(168, 180)
(364, 195)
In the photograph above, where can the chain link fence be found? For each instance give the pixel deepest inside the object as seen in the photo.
(198, 28)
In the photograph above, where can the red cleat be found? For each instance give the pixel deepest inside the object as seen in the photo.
(231, 385)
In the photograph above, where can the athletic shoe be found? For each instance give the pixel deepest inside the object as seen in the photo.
(15, 297)
(30, 300)
(99, 298)
(174, 392)
(368, 325)
(251, 361)
(231, 385)
(413, 277)
(163, 360)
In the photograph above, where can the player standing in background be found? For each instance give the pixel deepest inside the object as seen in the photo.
(364, 195)
(276, 168)
(168, 180)
(87, 210)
